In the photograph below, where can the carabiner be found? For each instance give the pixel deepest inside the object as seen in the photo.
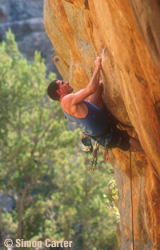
(106, 156)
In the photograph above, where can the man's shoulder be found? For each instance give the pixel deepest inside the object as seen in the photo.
(66, 99)
(71, 108)
(66, 102)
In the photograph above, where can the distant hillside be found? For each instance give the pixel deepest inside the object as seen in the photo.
(25, 18)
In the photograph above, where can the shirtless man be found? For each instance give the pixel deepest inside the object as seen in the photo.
(90, 115)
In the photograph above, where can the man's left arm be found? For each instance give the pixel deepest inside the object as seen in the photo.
(91, 88)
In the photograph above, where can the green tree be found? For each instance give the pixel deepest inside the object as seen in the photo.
(41, 166)
(30, 128)
(81, 199)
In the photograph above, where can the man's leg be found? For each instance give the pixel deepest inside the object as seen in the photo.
(122, 140)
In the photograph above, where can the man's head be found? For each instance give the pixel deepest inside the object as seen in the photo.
(52, 90)
(58, 89)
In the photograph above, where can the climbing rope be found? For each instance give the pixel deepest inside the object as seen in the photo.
(131, 200)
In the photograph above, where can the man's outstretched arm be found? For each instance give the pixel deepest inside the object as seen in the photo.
(91, 88)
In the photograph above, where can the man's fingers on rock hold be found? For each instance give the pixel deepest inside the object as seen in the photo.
(98, 62)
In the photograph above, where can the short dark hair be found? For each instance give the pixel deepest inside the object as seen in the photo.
(52, 90)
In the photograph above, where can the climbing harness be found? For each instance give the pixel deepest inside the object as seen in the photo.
(131, 200)
(87, 144)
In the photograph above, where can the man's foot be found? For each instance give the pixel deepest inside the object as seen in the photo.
(135, 145)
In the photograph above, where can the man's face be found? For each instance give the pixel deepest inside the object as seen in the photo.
(64, 87)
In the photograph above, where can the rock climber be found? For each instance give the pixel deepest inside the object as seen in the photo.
(90, 115)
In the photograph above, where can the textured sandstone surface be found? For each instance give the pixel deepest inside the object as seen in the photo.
(126, 34)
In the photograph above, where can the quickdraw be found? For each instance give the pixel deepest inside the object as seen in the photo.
(88, 148)
(95, 157)
(106, 155)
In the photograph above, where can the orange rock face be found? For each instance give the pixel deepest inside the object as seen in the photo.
(126, 34)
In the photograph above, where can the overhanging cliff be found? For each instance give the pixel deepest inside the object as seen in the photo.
(126, 34)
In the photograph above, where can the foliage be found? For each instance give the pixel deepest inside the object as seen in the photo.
(112, 199)
(42, 170)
